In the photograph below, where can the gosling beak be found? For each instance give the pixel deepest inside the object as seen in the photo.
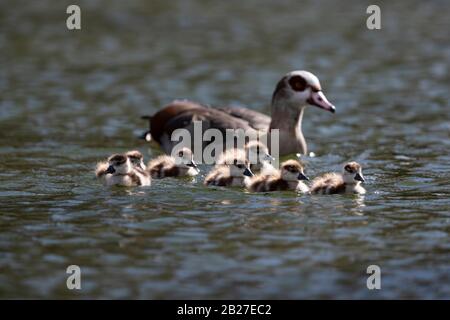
(301, 176)
(110, 169)
(248, 172)
(192, 164)
(147, 136)
(359, 177)
(268, 157)
(318, 99)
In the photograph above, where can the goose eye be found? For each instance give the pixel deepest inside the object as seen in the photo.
(297, 83)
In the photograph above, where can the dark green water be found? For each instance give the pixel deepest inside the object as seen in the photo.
(69, 99)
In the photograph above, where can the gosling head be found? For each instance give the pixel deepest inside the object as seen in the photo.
(257, 152)
(136, 159)
(184, 158)
(301, 88)
(292, 170)
(118, 164)
(352, 173)
(240, 168)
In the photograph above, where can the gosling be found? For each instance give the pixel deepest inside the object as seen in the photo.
(347, 182)
(120, 172)
(289, 177)
(258, 155)
(229, 175)
(167, 166)
(255, 152)
(137, 161)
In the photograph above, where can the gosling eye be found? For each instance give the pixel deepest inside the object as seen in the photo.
(180, 154)
(240, 166)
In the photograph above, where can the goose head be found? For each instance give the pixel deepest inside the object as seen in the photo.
(298, 89)
(119, 164)
(185, 159)
(136, 159)
(240, 168)
(352, 173)
(292, 170)
(257, 152)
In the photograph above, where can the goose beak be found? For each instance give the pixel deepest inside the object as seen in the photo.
(359, 177)
(318, 99)
(110, 169)
(248, 172)
(268, 157)
(301, 176)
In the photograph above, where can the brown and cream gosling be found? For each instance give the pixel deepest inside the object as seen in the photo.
(255, 152)
(167, 166)
(137, 163)
(137, 159)
(289, 177)
(235, 174)
(120, 172)
(347, 182)
(258, 155)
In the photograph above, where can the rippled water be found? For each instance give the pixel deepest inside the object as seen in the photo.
(69, 99)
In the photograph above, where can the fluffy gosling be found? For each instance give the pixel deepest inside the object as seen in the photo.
(167, 166)
(255, 152)
(229, 175)
(258, 155)
(137, 164)
(347, 182)
(289, 177)
(137, 159)
(120, 172)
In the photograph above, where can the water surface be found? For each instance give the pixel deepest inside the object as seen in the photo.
(70, 98)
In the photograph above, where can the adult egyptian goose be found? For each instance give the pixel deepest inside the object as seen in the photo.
(288, 178)
(121, 172)
(167, 166)
(293, 93)
(347, 182)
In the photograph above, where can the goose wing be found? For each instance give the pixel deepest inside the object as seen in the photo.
(255, 119)
(181, 114)
(210, 117)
